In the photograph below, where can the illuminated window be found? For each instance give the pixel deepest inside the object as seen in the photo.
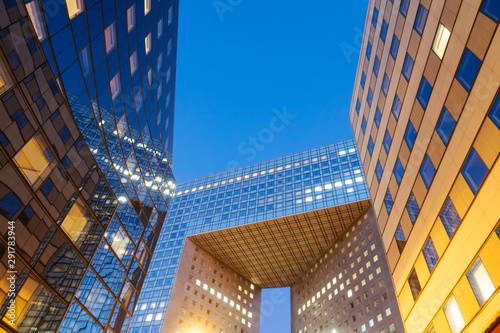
(441, 41)
(133, 62)
(75, 7)
(147, 7)
(480, 281)
(78, 224)
(110, 37)
(36, 17)
(35, 159)
(120, 242)
(114, 85)
(131, 17)
(147, 43)
(453, 315)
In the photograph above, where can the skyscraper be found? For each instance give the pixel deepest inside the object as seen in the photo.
(426, 119)
(87, 94)
(302, 220)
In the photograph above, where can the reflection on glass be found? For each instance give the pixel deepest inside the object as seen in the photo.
(84, 56)
(131, 17)
(36, 18)
(34, 159)
(133, 62)
(110, 36)
(147, 43)
(114, 85)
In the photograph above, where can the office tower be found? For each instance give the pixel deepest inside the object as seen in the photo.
(86, 93)
(302, 220)
(426, 119)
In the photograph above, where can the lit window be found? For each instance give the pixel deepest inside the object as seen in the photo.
(427, 171)
(75, 7)
(398, 171)
(36, 17)
(491, 8)
(378, 117)
(133, 62)
(410, 135)
(396, 107)
(445, 126)
(385, 84)
(34, 159)
(5, 80)
(160, 28)
(379, 171)
(450, 218)
(387, 141)
(149, 317)
(383, 30)
(147, 6)
(407, 67)
(480, 281)
(414, 284)
(453, 315)
(114, 85)
(474, 171)
(131, 17)
(394, 46)
(110, 37)
(147, 43)
(412, 207)
(430, 254)
(467, 71)
(420, 20)
(388, 201)
(441, 41)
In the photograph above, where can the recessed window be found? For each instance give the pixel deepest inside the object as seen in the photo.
(383, 30)
(375, 17)
(400, 238)
(450, 218)
(363, 125)
(445, 126)
(414, 284)
(36, 17)
(398, 171)
(358, 106)
(370, 146)
(407, 67)
(378, 117)
(453, 315)
(147, 7)
(363, 80)
(403, 9)
(424, 93)
(376, 66)
(64, 134)
(34, 159)
(495, 112)
(114, 85)
(410, 135)
(133, 62)
(420, 20)
(387, 141)
(147, 43)
(412, 207)
(10, 204)
(396, 107)
(480, 281)
(369, 97)
(394, 47)
(427, 171)
(368, 50)
(378, 171)
(430, 254)
(47, 187)
(388, 201)
(110, 37)
(75, 7)
(467, 71)
(385, 84)
(441, 41)
(131, 17)
(474, 171)
(160, 28)
(491, 8)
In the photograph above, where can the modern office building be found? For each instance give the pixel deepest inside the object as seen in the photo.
(302, 220)
(87, 94)
(426, 120)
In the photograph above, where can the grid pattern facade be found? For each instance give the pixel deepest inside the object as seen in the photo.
(425, 116)
(349, 288)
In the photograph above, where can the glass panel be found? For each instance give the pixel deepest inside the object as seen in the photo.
(387, 141)
(453, 315)
(480, 281)
(110, 37)
(147, 43)
(427, 171)
(410, 135)
(75, 7)
(414, 284)
(36, 18)
(383, 31)
(495, 112)
(412, 207)
(474, 171)
(375, 16)
(131, 17)
(445, 126)
(133, 62)
(396, 107)
(385, 85)
(378, 117)
(407, 67)
(370, 146)
(147, 6)
(469, 66)
(378, 171)
(424, 92)
(398, 171)
(441, 41)
(388, 201)
(35, 159)
(492, 9)
(420, 20)
(114, 85)
(394, 47)
(450, 218)
(400, 238)
(430, 254)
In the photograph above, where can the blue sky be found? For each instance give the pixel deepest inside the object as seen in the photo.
(261, 79)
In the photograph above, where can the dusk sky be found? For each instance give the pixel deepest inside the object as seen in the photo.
(258, 80)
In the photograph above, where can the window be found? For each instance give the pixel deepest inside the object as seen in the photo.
(414, 284)
(453, 315)
(491, 8)
(110, 37)
(387, 141)
(160, 28)
(412, 207)
(159, 62)
(363, 125)
(383, 30)
(420, 20)
(75, 7)
(34, 159)
(114, 85)
(170, 10)
(47, 187)
(368, 50)
(131, 17)
(474, 171)
(450, 218)
(5, 80)
(64, 134)
(441, 41)
(394, 46)
(147, 43)
(36, 17)
(363, 80)
(410, 135)
(376, 66)
(467, 71)
(358, 106)
(10, 205)
(398, 171)
(84, 57)
(133, 62)
(147, 7)
(385, 84)
(388, 201)
(424, 92)
(407, 67)
(403, 9)
(378, 117)
(427, 171)
(370, 146)
(480, 281)
(369, 97)
(445, 126)
(375, 17)
(396, 107)
(378, 171)
(400, 238)
(495, 112)
(430, 254)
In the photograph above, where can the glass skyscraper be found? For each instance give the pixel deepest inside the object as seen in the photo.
(87, 96)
